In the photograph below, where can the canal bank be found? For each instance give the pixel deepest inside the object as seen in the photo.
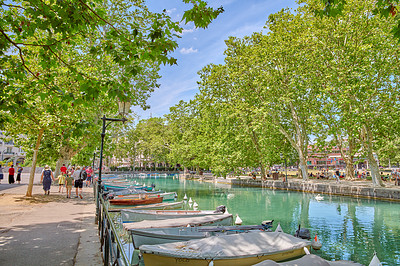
(357, 188)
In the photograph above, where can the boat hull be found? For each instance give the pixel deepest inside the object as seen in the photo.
(160, 260)
(140, 215)
(224, 219)
(156, 206)
(135, 201)
(156, 236)
(166, 196)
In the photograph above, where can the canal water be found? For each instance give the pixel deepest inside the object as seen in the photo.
(348, 228)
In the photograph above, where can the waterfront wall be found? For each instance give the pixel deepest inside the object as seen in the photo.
(332, 188)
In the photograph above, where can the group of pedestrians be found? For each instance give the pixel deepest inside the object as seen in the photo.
(69, 177)
(11, 173)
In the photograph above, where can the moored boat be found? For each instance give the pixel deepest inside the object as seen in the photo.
(111, 194)
(117, 187)
(140, 215)
(164, 195)
(308, 260)
(155, 206)
(155, 236)
(136, 201)
(238, 249)
(223, 219)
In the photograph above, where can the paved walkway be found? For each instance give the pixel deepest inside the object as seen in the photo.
(47, 229)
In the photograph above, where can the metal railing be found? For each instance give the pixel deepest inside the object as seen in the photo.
(112, 246)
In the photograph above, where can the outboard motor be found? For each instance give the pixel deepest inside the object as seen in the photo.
(303, 233)
(220, 208)
(267, 225)
(110, 196)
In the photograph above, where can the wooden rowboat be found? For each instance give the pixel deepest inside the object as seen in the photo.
(136, 201)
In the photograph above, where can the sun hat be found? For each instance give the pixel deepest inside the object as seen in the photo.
(46, 167)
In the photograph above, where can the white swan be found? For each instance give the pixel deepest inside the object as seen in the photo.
(319, 197)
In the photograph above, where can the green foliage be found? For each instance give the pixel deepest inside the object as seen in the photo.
(65, 61)
(384, 8)
(201, 14)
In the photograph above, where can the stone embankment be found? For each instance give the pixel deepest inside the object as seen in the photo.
(343, 188)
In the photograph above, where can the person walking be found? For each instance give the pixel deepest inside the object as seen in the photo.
(19, 172)
(78, 182)
(46, 178)
(11, 172)
(61, 182)
(1, 174)
(89, 172)
(63, 169)
(69, 180)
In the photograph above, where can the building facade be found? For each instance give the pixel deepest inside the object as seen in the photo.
(9, 153)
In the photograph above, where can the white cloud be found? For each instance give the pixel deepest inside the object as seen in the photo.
(171, 11)
(188, 30)
(247, 30)
(188, 50)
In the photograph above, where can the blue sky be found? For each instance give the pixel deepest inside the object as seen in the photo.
(200, 47)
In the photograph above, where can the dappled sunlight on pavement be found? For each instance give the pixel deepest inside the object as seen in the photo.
(47, 229)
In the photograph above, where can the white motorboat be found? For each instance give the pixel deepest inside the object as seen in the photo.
(130, 215)
(221, 219)
(154, 236)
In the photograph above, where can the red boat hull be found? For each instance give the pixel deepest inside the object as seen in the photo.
(136, 201)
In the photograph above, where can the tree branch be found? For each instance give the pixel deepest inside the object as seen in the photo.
(19, 52)
(105, 21)
(14, 6)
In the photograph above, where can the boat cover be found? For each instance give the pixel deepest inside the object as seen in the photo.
(250, 244)
(308, 260)
(176, 222)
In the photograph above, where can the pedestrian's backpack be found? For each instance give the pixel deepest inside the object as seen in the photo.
(83, 175)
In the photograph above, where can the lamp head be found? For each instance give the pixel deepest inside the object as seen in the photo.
(124, 108)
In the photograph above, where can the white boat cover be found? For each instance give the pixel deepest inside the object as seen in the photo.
(250, 244)
(308, 260)
(222, 219)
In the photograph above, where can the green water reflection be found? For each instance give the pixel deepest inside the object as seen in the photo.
(348, 228)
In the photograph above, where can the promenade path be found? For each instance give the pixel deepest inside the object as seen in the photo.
(47, 229)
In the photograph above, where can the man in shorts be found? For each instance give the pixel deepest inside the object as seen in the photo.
(78, 182)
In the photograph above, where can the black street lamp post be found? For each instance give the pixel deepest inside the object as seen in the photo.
(123, 109)
(94, 159)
